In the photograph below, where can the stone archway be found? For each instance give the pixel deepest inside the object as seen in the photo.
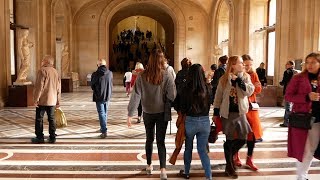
(150, 11)
(166, 7)
(215, 22)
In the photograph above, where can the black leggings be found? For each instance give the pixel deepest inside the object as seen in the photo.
(150, 122)
(139, 109)
(251, 145)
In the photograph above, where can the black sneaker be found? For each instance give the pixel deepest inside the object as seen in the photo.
(37, 140)
(283, 125)
(52, 140)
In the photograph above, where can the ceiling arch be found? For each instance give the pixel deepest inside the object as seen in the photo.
(148, 10)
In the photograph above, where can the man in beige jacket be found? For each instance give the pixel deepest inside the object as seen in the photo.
(46, 96)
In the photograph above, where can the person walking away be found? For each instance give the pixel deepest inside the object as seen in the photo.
(137, 71)
(46, 97)
(304, 92)
(252, 116)
(231, 103)
(287, 75)
(101, 84)
(218, 73)
(180, 81)
(169, 68)
(195, 103)
(128, 77)
(152, 87)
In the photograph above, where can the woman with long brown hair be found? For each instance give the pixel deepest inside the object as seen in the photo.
(231, 103)
(152, 87)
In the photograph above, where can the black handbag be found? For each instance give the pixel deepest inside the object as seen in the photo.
(301, 120)
(213, 136)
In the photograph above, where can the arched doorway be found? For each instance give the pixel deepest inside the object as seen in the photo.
(133, 39)
(94, 22)
(156, 19)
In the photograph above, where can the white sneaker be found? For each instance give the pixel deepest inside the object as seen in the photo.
(149, 169)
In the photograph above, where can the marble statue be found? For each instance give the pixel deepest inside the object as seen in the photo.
(65, 63)
(24, 51)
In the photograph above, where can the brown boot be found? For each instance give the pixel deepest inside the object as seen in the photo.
(236, 160)
(251, 164)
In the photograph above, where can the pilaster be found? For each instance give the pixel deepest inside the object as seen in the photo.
(5, 77)
(239, 29)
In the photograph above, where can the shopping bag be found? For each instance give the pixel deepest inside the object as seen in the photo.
(60, 118)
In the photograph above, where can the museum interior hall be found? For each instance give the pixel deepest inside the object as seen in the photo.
(79, 33)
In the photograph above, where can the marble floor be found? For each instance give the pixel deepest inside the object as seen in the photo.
(80, 154)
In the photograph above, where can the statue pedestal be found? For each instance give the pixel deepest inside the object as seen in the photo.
(66, 85)
(22, 83)
(21, 96)
(268, 96)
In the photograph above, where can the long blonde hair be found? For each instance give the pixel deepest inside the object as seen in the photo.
(231, 61)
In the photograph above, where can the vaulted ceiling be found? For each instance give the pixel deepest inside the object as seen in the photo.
(78, 4)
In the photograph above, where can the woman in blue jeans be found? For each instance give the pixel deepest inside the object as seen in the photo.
(195, 103)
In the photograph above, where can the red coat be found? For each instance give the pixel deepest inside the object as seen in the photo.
(253, 116)
(135, 74)
(297, 90)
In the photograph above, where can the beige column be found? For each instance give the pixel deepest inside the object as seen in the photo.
(239, 29)
(297, 31)
(4, 51)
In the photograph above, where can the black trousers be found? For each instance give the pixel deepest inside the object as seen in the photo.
(39, 121)
(140, 109)
(150, 122)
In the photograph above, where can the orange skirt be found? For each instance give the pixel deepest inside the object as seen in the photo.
(254, 121)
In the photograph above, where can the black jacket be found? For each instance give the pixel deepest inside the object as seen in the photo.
(101, 84)
(262, 75)
(215, 79)
(180, 81)
(287, 75)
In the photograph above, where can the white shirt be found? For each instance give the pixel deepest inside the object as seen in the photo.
(128, 76)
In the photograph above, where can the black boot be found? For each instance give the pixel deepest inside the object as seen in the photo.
(230, 171)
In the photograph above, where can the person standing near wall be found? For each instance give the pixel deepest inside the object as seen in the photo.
(261, 71)
(46, 96)
(101, 84)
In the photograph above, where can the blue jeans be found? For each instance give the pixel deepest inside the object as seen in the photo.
(288, 109)
(199, 127)
(102, 108)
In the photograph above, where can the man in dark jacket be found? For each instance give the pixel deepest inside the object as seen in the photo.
(218, 73)
(101, 84)
(287, 75)
(262, 74)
